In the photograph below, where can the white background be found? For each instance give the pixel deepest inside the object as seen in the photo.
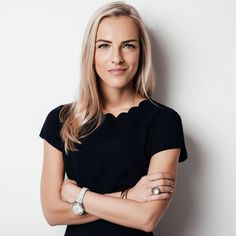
(193, 50)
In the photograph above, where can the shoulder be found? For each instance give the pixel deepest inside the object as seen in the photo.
(162, 112)
(53, 115)
(56, 110)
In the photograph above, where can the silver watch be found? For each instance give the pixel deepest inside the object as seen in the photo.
(77, 205)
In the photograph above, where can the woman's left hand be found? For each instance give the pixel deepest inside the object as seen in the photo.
(69, 190)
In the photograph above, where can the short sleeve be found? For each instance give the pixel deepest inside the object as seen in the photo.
(50, 130)
(167, 133)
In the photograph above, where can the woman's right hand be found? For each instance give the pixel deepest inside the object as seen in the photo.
(142, 191)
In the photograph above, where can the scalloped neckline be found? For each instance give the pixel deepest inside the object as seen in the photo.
(127, 112)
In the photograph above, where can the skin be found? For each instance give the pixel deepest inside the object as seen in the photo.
(141, 210)
(116, 90)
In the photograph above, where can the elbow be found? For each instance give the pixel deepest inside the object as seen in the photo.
(144, 219)
(149, 227)
(153, 216)
(50, 216)
(51, 219)
(51, 223)
(149, 224)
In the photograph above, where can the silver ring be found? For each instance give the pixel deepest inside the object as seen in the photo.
(156, 190)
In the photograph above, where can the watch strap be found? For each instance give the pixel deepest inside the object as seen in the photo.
(81, 194)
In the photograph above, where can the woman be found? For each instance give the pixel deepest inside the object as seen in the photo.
(119, 147)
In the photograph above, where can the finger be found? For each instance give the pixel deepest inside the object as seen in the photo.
(163, 189)
(160, 175)
(162, 182)
(160, 196)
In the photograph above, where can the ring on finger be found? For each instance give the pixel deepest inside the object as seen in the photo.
(156, 190)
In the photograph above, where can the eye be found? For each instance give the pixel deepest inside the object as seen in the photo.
(128, 45)
(104, 45)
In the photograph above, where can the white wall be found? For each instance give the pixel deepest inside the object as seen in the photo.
(194, 48)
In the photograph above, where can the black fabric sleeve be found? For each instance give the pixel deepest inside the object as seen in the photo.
(50, 130)
(168, 134)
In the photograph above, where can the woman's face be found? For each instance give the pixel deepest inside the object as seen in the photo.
(117, 51)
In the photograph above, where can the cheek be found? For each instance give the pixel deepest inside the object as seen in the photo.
(100, 63)
(101, 58)
(133, 59)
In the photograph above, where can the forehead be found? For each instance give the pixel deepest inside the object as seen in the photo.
(117, 28)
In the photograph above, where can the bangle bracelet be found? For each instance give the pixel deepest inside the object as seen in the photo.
(125, 193)
(122, 194)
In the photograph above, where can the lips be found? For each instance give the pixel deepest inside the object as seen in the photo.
(117, 71)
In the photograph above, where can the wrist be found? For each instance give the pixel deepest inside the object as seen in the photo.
(124, 194)
(129, 194)
(77, 205)
(74, 194)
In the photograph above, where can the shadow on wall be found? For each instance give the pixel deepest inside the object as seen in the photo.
(160, 66)
(182, 207)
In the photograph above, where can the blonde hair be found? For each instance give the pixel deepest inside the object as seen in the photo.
(81, 117)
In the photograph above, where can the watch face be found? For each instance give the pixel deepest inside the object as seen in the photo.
(77, 208)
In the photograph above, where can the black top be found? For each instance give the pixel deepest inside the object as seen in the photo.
(117, 154)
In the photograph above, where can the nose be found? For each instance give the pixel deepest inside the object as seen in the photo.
(117, 56)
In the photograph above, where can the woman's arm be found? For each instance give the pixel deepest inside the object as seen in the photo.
(140, 215)
(56, 211)
(167, 162)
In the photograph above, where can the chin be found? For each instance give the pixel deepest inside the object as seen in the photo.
(116, 85)
(116, 82)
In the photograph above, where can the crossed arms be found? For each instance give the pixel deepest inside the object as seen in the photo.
(140, 215)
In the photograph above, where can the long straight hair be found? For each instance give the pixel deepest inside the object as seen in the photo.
(81, 117)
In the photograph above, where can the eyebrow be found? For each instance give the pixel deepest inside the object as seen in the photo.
(107, 41)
